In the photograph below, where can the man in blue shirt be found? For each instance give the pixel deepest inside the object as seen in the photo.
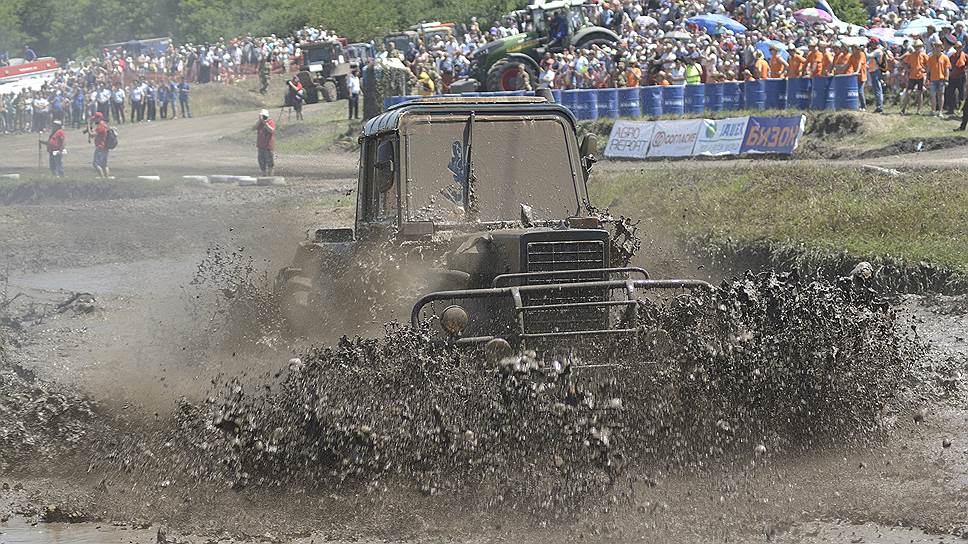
(29, 54)
(183, 91)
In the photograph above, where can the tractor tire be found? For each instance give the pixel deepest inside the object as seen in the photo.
(504, 75)
(295, 296)
(328, 91)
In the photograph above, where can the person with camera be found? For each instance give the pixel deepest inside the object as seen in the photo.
(266, 142)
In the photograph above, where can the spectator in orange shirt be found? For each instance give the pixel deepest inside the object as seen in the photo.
(828, 60)
(761, 69)
(778, 66)
(955, 91)
(814, 61)
(939, 67)
(916, 62)
(662, 79)
(857, 64)
(796, 65)
(841, 58)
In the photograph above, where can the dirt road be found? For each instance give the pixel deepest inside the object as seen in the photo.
(154, 336)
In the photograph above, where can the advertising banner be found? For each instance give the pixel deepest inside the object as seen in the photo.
(773, 134)
(674, 138)
(721, 136)
(629, 139)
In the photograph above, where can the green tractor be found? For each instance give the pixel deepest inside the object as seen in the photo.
(557, 25)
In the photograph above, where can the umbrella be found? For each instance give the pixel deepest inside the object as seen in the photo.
(945, 4)
(812, 15)
(765, 45)
(854, 40)
(885, 35)
(645, 20)
(711, 22)
(920, 25)
(677, 35)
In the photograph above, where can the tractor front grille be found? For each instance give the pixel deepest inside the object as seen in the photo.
(566, 255)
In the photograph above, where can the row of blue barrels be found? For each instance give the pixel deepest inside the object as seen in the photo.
(818, 93)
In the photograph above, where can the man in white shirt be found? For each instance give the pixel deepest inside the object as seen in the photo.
(353, 88)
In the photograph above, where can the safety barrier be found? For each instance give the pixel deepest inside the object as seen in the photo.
(817, 93)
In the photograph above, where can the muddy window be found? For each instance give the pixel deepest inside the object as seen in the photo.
(382, 165)
(514, 161)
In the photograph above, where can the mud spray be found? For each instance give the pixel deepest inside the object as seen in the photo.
(764, 363)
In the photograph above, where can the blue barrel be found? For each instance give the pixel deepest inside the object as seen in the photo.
(776, 94)
(846, 92)
(557, 95)
(473, 94)
(673, 99)
(798, 93)
(586, 104)
(607, 103)
(568, 99)
(628, 102)
(695, 98)
(822, 93)
(755, 94)
(651, 100)
(732, 96)
(714, 97)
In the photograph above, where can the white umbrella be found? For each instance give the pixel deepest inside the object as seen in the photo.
(854, 40)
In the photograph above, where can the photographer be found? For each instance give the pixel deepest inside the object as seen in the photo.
(56, 148)
(265, 142)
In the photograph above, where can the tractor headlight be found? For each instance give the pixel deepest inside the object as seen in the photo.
(453, 320)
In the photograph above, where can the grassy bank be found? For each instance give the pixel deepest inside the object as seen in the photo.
(920, 217)
(217, 98)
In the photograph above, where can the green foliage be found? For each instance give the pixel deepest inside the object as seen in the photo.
(64, 28)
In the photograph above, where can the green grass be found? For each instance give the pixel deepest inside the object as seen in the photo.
(323, 128)
(217, 98)
(920, 216)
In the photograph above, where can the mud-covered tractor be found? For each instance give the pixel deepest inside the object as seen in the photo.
(473, 214)
(498, 65)
(323, 71)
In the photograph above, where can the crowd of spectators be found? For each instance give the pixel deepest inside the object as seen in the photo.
(134, 83)
(659, 46)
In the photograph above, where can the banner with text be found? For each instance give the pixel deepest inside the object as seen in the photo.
(773, 134)
(721, 136)
(690, 137)
(629, 140)
(674, 138)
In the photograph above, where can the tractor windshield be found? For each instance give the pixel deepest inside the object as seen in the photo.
(513, 161)
(319, 54)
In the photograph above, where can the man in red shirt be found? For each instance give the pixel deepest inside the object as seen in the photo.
(101, 145)
(265, 142)
(55, 149)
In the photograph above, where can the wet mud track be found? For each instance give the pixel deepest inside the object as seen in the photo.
(153, 338)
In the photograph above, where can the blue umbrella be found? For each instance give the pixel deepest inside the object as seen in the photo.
(765, 45)
(920, 25)
(712, 21)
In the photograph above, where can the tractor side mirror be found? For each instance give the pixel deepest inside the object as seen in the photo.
(384, 166)
(587, 149)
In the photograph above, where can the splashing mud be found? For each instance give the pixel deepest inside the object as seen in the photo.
(763, 363)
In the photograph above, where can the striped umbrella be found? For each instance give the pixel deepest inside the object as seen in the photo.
(812, 15)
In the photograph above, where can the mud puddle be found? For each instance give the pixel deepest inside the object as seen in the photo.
(814, 532)
(20, 532)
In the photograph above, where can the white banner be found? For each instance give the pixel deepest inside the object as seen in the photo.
(721, 136)
(674, 138)
(629, 140)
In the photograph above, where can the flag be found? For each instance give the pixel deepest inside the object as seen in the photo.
(823, 5)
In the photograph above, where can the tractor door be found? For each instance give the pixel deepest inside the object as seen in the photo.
(378, 206)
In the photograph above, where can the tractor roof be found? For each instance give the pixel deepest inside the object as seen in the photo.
(556, 4)
(389, 121)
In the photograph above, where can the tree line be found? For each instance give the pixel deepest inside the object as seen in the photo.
(72, 28)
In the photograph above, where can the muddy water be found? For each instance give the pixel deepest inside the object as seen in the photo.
(21, 532)
(816, 532)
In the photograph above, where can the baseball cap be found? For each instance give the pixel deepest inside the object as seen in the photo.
(264, 113)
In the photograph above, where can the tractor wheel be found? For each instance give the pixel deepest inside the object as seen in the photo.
(328, 90)
(294, 293)
(505, 75)
(596, 41)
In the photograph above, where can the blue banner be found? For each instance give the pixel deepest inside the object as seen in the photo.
(773, 134)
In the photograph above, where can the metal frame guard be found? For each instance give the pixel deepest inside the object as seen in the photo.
(630, 287)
